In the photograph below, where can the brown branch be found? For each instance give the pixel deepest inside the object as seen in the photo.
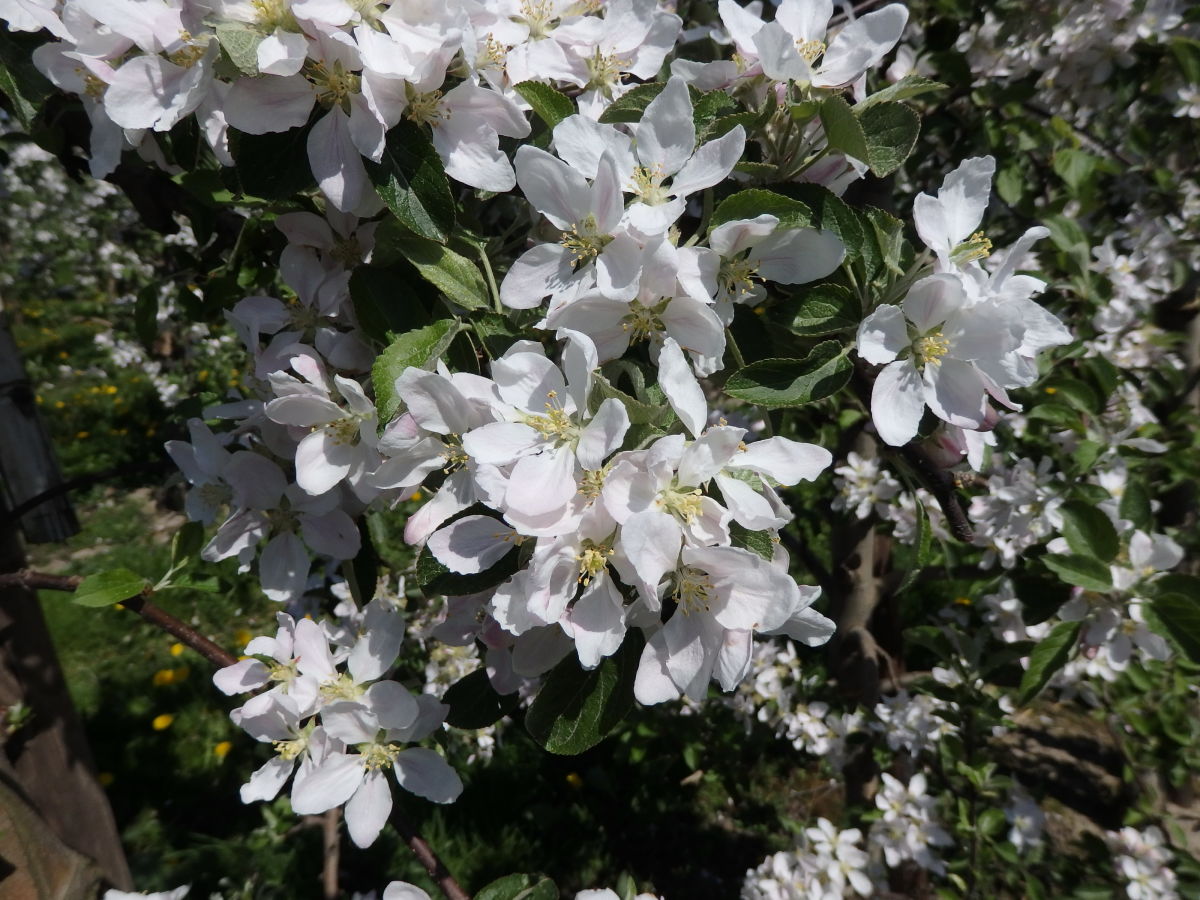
(332, 840)
(220, 657)
(433, 865)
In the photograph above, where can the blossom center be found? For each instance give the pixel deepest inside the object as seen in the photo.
(975, 247)
(426, 108)
(737, 277)
(583, 241)
(289, 750)
(378, 756)
(683, 503)
(453, 453)
(341, 688)
(333, 83)
(592, 483)
(214, 493)
(931, 348)
(538, 15)
(810, 50)
(604, 70)
(555, 422)
(647, 184)
(693, 590)
(344, 430)
(272, 14)
(592, 561)
(644, 322)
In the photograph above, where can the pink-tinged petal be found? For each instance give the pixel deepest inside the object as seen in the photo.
(956, 392)
(781, 61)
(269, 104)
(244, 675)
(500, 443)
(579, 361)
(680, 385)
(349, 722)
(327, 785)
(750, 509)
(556, 190)
(424, 773)
(948, 220)
(303, 410)
(470, 150)
(784, 460)
(501, 114)
(434, 402)
(268, 780)
(608, 200)
(711, 163)
(237, 534)
(750, 593)
(539, 272)
(283, 567)
(653, 683)
(933, 300)
(649, 545)
(603, 434)
(150, 92)
(471, 544)
(367, 130)
(627, 490)
(882, 335)
(282, 53)
(898, 402)
(600, 319)
(541, 484)
(860, 45)
(335, 161)
(527, 379)
(808, 627)
(597, 622)
(374, 653)
(368, 810)
(733, 659)
(798, 255)
(741, 24)
(619, 268)
(654, 220)
(709, 454)
(456, 494)
(311, 648)
(666, 135)
(734, 237)
(805, 20)
(322, 460)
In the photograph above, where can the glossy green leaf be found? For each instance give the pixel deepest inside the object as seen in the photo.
(576, 709)
(474, 703)
(520, 887)
(907, 87)
(821, 309)
(891, 131)
(412, 182)
(420, 348)
(1089, 532)
(107, 588)
(781, 383)
(454, 275)
(843, 129)
(1083, 571)
(1051, 654)
(755, 202)
(551, 105)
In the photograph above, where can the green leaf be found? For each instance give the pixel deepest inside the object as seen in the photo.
(1081, 571)
(433, 578)
(756, 202)
(107, 588)
(907, 87)
(271, 166)
(1089, 532)
(1176, 603)
(630, 106)
(520, 887)
(891, 131)
(576, 709)
(550, 105)
(1074, 167)
(781, 383)
(1050, 655)
(20, 80)
(889, 238)
(420, 348)
(474, 703)
(822, 309)
(1135, 505)
(412, 182)
(639, 413)
(924, 545)
(843, 130)
(381, 305)
(758, 542)
(240, 42)
(454, 275)
(705, 109)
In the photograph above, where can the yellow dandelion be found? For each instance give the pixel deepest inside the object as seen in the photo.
(242, 637)
(105, 778)
(221, 750)
(177, 649)
(575, 780)
(163, 677)
(162, 722)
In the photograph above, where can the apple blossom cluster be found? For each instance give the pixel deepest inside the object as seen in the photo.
(962, 336)
(580, 515)
(826, 864)
(1142, 860)
(336, 722)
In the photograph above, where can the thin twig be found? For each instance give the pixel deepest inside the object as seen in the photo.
(332, 832)
(187, 635)
(433, 865)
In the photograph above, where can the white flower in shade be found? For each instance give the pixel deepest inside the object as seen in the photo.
(280, 669)
(757, 249)
(793, 48)
(341, 440)
(908, 829)
(665, 148)
(174, 894)
(402, 890)
(1026, 820)
(937, 351)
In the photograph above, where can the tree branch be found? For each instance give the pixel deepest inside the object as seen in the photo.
(332, 839)
(218, 656)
